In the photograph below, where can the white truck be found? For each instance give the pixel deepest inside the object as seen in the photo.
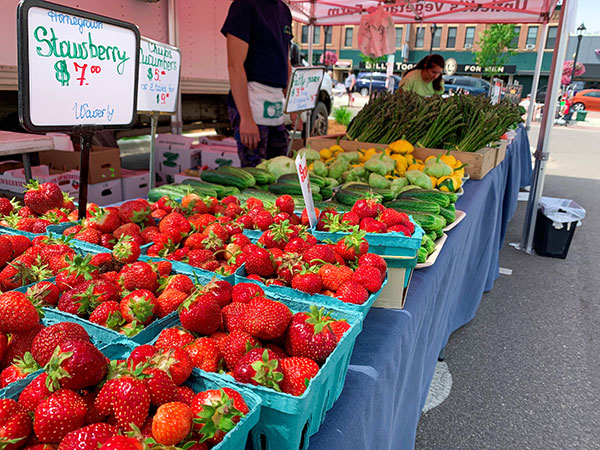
(192, 25)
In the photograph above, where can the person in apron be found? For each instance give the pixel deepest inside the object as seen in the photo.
(259, 34)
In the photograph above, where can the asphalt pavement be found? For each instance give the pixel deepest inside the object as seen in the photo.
(525, 370)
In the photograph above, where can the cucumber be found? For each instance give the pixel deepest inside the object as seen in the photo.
(326, 192)
(439, 233)
(386, 194)
(224, 178)
(292, 177)
(229, 190)
(296, 182)
(422, 255)
(415, 204)
(237, 172)
(429, 195)
(220, 189)
(448, 214)
(347, 197)
(291, 189)
(155, 193)
(428, 244)
(329, 205)
(431, 235)
(266, 197)
(429, 222)
(261, 176)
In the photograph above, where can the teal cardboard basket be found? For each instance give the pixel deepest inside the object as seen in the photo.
(286, 421)
(317, 299)
(253, 235)
(234, 440)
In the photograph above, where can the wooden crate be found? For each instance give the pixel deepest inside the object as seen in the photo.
(479, 162)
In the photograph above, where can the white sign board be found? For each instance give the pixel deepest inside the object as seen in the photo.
(303, 90)
(302, 169)
(75, 68)
(497, 91)
(158, 84)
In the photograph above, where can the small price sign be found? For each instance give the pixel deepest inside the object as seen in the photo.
(302, 169)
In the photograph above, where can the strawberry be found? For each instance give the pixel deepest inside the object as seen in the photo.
(392, 217)
(185, 394)
(19, 244)
(233, 314)
(107, 240)
(127, 229)
(76, 364)
(125, 399)
(90, 235)
(169, 301)
(122, 443)
(351, 218)
(259, 366)
(20, 368)
(175, 226)
(236, 345)
(148, 233)
(105, 220)
(130, 329)
(90, 437)
(72, 230)
(263, 220)
(3, 345)
(19, 344)
(296, 245)
(17, 313)
(79, 270)
(266, 319)
(352, 246)
(371, 259)
(160, 385)
(371, 225)
(40, 198)
(138, 275)
(258, 261)
(6, 207)
(15, 424)
(285, 203)
(140, 305)
(368, 277)
(307, 281)
(244, 292)
(304, 217)
(200, 313)
(297, 371)
(35, 392)
(205, 354)
(173, 338)
(125, 250)
(333, 276)
(108, 314)
(6, 250)
(176, 362)
(46, 341)
(401, 229)
(105, 262)
(172, 423)
(135, 211)
(339, 328)
(64, 411)
(319, 252)
(352, 292)
(310, 336)
(216, 410)
(365, 208)
(44, 292)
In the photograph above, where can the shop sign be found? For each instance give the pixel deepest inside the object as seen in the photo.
(382, 67)
(474, 68)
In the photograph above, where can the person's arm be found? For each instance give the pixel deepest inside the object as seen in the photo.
(237, 50)
(352, 83)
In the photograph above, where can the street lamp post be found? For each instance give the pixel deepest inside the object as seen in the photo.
(434, 28)
(580, 30)
(326, 30)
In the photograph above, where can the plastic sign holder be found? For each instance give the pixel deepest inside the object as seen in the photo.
(303, 94)
(78, 72)
(158, 87)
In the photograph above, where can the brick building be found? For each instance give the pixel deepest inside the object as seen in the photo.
(413, 42)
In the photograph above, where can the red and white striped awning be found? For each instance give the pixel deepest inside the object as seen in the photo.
(348, 12)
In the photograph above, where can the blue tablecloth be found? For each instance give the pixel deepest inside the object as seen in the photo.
(395, 355)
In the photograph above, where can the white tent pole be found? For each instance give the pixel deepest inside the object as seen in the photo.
(311, 38)
(536, 76)
(542, 154)
(177, 118)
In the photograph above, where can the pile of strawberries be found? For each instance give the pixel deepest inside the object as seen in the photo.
(368, 215)
(106, 225)
(45, 204)
(82, 401)
(256, 339)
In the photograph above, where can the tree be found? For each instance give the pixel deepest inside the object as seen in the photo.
(496, 47)
(372, 62)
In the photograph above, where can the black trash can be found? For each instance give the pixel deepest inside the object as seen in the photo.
(550, 241)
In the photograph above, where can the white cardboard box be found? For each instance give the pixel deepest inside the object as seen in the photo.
(13, 180)
(105, 193)
(135, 183)
(212, 155)
(218, 140)
(174, 154)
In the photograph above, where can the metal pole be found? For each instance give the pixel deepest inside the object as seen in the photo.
(85, 144)
(311, 38)
(536, 76)
(325, 45)
(542, 154)
(433, 31)
(153, 129)
(575, 59)
(176, 119)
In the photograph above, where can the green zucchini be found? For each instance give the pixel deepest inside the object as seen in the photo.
(448, 214)
(415, 204)
(224, 178)
(261, 176)
(240, 173)
(429, 195)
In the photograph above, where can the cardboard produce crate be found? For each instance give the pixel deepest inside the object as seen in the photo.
(479, 162)
(105, 162)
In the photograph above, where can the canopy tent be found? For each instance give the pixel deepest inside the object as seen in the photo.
(349, 12)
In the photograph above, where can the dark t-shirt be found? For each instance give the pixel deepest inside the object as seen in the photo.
(266, 25)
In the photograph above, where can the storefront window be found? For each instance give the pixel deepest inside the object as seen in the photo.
(515, 41)
(317, 39)
(551, 38)
(469, 37)
(532, 33)
(451, 41)
(420, 41)
(349, 34)
(328, 33)
(304, 34)
(437, 38)
(399, 37)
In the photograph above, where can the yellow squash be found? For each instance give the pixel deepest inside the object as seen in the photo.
(401, 146)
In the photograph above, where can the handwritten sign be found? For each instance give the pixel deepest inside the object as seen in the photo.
(497, 91)
(75, 68)
(302, 169)
(303, 91)
(158, 86)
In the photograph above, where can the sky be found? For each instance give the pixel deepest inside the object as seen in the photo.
(588, 12)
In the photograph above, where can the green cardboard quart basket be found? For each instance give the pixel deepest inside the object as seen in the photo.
(286, 421)
(234, 440)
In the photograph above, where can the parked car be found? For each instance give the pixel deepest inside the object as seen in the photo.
(474, 86)
(588, 99)
(377, 79)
